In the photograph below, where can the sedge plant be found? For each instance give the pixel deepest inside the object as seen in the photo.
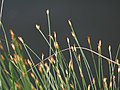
(55, 72)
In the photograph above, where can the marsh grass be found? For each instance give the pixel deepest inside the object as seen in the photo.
(56, 72)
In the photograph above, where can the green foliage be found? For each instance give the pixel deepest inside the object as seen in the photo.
(56, 72)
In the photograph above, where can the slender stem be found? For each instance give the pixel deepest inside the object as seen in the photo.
(6, 40)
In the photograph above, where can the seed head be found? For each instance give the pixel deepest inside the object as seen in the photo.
(29, 62)
(40, 67)
(71, 64)
(20, 38)
(118, 69)
(13, 46)
(88, 39)
(1, 47)
(47, 67)
(93, 80)
(2, 57)
(36, 81)
(42, 56)
(79, 57)
(51, 37)
(56, 45)
(47, 11)
(51, 60)
(72, 86)
(110, 84)
(37, 27)
(69, 22)
(18, 86)
(32, 75)
(73, 34)
(55, 35)
(12, 35)
(61, 85)
(88, 87)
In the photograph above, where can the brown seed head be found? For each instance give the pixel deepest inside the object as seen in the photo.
(56, 45)
(71, 64)
(89, 40)
(72, 86)
(1, 47)
(18, 86)
(51, 60)
(12, 35)
(32, 75)
(37, 81)
(40, 69)
(2, 57)
(29, 62)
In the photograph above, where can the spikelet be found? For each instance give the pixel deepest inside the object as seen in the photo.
(13, 46)
(93, 81)
(79, 57)
(66, 71)
(99, 45)
(71, 64)
(72, 86)
(55, 35)
(40, 68)
(81, 74)
(61, 85)
(73, 48)
(37, 81)
(73, 34)
(12, 35)
(105, 82)
(1, 47)
(42, 56)
(29, 62)
(88, 40)
(47, 67)
(51, 60)
(69, 22)
(51, 37)
(118, 69)
(23, 74)
(2, 57)
(32, 87)
(47, 11)
(88, 87)
(110, 84)
(21, 40)
(32, 75)
(37, 27)
(56, 45)
(18, 86)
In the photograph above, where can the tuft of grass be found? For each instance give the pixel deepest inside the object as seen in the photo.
(56, 72)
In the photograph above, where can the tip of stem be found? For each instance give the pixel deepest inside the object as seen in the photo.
(88, 39)
(37, 27)
(69, 22)
(47, 11)
(68, 40)
(20, 38)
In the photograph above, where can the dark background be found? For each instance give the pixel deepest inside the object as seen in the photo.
(98, 19)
